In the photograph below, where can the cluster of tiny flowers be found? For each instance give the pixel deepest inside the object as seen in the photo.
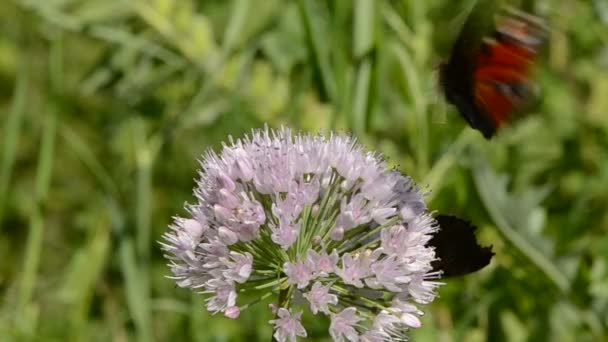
(314, 221)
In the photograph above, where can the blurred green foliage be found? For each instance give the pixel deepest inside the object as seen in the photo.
(106, 105)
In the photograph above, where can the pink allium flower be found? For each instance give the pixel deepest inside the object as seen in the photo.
(285, 233)
(319, 298)
(298, 273)
(343, 325)
(232, 312)
(287, 326)
(312, 217)
(238, 267)
(322, 264)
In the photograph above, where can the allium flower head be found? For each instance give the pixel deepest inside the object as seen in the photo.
(310, 217)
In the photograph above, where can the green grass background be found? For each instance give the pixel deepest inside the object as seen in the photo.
(105, 105)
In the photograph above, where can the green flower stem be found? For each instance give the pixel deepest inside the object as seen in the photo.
(264, 296)
(342, 247)
(349, 293)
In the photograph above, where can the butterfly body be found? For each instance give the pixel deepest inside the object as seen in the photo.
(488, 78)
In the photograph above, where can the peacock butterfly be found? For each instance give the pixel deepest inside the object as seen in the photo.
(487, 78)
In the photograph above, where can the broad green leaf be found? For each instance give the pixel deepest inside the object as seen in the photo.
(515, 215)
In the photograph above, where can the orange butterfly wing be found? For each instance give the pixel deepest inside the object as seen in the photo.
(501, 81)
(501, 76)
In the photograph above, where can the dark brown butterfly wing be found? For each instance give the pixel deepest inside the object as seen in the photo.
(502, 68)
(456, 75)
(457, 248)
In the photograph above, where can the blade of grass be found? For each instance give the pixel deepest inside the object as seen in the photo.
(395, 22)
(43, 180)
(82, 275)
(238, 17)
(88, 158)
(360, 98)
(138, 42)
(137, 290)
(143, 193)
(33, 248)
(11, 136)
(343, 69)
(146, 151)
(415, 91)
(47, 150)
(203, 57)
(365, 12)
(52, 13)
(26, 312)
(320, 51)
